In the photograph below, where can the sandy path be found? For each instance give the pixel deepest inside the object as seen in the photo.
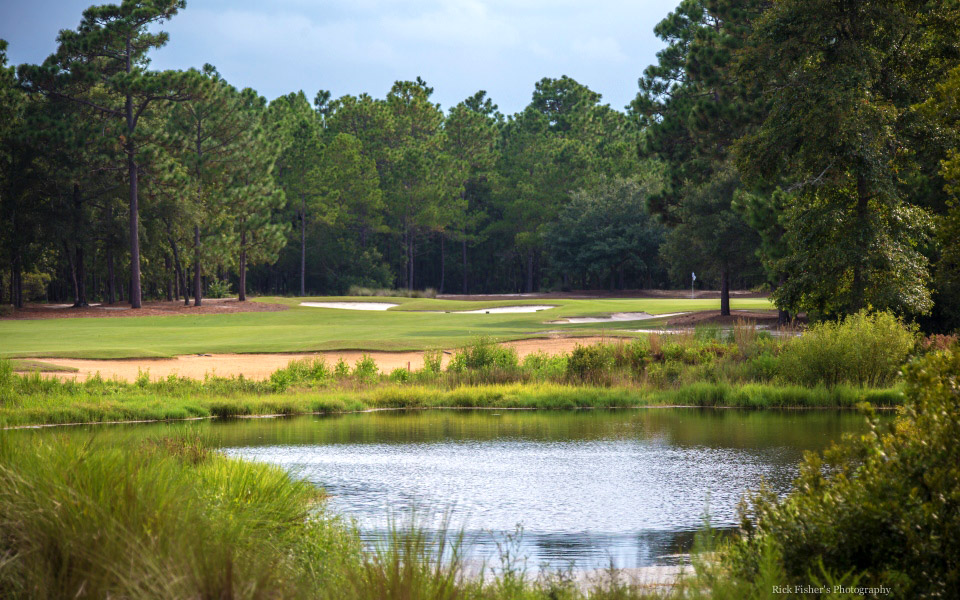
(260, 366)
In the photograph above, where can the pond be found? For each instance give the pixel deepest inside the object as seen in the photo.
(587, 487)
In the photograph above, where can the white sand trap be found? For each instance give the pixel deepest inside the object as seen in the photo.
(350, 305)
(505, 309)
(620, 316)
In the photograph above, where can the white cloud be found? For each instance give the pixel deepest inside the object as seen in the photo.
(353, 46)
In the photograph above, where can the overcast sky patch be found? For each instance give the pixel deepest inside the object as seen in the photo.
(355, 46)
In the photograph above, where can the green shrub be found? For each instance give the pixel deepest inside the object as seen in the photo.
(341, 369)
(864, 349)
(357, 290)
(633, 355)
(319, 370)
(762, 367)
(219, 288)
(665, 373)
(35, 285)
(366, 369)
(674, 352)
(143, 378)
(280, 380)
(400, 375)
(484, 355)
(543, 367)
(883, 506)
(433, 361)
(6, 381)
(588, 364)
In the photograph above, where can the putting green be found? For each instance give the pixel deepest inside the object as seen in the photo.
(407, 326)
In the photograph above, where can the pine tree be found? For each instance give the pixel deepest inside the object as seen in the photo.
(109, 51)
(298, 130)
(254, 198)
(215, 133)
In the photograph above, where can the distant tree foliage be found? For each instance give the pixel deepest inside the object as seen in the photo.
(807, 147)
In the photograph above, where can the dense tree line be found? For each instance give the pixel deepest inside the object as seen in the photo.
(809, 146)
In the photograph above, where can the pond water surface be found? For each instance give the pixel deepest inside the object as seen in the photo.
(587, 487)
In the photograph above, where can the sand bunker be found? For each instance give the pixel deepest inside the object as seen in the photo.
(260, 366)
(620, 316)
(505, 309)
(350, 305)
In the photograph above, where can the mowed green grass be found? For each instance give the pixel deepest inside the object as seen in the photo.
(302, 329)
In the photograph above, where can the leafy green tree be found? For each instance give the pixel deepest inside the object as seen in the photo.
(943, 109)
(470, 137)
(415, 175)
(17, 175)
(692, 111)
(297, 128)
(838, 81)
(350, 186)
(217, 139)
(109, 50)
(254, 198)
(606, 230)
(546, 153)
(710, 238)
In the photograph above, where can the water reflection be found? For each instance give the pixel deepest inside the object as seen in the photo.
(587, 486)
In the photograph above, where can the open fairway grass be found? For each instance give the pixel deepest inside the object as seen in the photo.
(301, 329)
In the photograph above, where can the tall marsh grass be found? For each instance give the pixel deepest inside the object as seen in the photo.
(161, 519)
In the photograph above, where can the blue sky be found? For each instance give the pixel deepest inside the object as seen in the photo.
(354, 46)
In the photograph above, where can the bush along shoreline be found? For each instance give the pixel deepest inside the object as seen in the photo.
(833, 365)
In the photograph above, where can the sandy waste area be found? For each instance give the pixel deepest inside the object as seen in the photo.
(260, 366)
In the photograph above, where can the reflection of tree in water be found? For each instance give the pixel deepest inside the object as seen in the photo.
(713, 428)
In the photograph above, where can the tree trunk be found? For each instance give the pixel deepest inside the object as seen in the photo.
(111, 278)
(168, 267)
(197, 281)
(724, 291)
(77, 271)
(303, 245)
(443, 262)
(859, 285)
(529, 271)
(16, 281)
(81, 277)
(135, 295)
(783, 316)
(464, 265)
(181, 273)
(73, 274)
(242, 295)
(410, 262)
